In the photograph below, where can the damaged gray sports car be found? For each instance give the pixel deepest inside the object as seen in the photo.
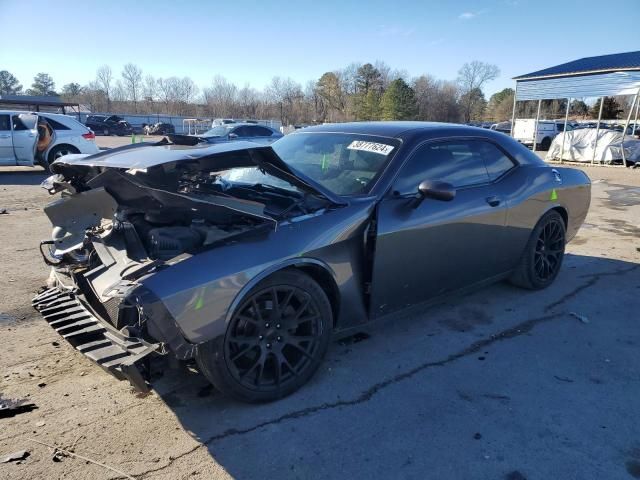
(248, 259)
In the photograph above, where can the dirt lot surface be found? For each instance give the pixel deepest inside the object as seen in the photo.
(499, 384)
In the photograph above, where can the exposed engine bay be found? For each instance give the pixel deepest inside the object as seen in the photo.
(166, 210)
(128, 215)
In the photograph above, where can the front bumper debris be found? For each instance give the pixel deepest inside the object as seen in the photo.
(114, 351)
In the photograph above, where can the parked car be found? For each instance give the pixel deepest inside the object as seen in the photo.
(248, 258)
(109, 125)
(222, 121)
(159, 129)
(547, 130)
(504, 127)
(230, 132)
(29, 138)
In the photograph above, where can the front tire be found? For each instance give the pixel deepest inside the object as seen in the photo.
(543, 255)
(274, 342)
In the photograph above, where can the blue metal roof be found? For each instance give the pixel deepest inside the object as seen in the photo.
(617, 62)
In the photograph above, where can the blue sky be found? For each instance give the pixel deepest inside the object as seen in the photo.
(252, 41)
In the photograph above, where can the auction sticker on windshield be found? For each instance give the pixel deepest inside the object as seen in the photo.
(374, 147)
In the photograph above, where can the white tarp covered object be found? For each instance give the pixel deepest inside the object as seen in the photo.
(579, 146)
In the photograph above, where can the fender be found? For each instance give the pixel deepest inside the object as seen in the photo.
(292, 262)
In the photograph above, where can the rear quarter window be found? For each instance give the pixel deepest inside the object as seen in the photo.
(4, 123)
(56, 125)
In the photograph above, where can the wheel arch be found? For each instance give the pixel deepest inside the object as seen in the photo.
(50, 159)
(563, 213)
(318, 270)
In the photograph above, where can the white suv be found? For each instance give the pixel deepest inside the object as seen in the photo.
(23, 142)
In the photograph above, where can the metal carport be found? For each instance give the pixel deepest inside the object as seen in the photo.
(602, 76)
(35, 102)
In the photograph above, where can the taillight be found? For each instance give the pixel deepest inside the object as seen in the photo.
(89, 135)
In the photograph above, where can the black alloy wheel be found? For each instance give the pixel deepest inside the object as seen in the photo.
(275, 341)
(549, 250)
(543, 255)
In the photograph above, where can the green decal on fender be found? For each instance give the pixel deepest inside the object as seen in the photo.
(554, 195)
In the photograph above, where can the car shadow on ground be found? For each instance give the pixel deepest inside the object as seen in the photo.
(358, 414)
(23, 176)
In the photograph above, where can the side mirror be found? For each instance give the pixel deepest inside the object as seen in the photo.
(434, 189)
(233, 136)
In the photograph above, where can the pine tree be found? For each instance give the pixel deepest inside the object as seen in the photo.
(42, 84)
(398, 101)
(9, 85)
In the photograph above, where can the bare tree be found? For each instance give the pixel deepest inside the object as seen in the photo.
(471, 78)
(119, 93)
(248, 101)
(221, 97)
(132, 76)
(150, 88)
(104, 81)
(188, 90)
(167, 90)
(287, 95)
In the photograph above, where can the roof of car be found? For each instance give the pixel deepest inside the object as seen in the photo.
(385, 129)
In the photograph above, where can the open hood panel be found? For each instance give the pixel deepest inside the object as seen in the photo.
(144, 156)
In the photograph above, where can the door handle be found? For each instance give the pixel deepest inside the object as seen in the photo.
(32, 135)
(5, 136)
(493, 201)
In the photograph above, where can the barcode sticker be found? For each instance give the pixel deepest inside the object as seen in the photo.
(380, 148)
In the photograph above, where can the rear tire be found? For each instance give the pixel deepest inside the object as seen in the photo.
(275, 341)
(543, 255)
(546, 144)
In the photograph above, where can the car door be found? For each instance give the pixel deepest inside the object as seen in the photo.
(25, 137)
(426, 248)
(6, 142)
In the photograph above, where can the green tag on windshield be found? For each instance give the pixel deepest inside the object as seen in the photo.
(325, 164)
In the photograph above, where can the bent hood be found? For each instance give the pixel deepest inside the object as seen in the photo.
(142, 156)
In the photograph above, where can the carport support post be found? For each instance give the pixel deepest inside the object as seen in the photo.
(626, 125)
(595, 146)
(564, 131)
(535, 128)
(513, 113)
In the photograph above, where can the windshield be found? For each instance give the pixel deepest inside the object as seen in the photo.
(219, 131)
(345, 164)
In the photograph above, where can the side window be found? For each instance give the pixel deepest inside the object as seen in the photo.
(495, 160)
(4, 123)
(241, 131)
(258, 131)
(455, 162)
(56, 125)
(17, 123)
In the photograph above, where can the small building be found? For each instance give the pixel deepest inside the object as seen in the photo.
(601, 76)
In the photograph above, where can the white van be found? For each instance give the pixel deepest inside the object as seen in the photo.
(547, 130)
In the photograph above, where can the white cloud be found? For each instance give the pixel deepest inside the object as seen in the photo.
(467, 15)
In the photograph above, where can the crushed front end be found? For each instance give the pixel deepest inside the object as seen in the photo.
(126, 216)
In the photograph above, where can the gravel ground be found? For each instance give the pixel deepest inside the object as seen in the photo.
(499, 384)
